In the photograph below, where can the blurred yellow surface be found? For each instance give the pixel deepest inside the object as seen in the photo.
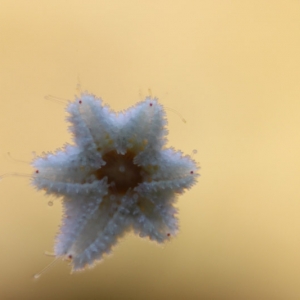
(232, 69)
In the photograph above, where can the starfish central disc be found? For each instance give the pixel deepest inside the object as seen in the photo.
(120, 171)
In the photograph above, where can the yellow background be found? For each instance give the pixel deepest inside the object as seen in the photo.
(232, 69)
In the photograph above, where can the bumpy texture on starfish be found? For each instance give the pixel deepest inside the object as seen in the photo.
(118, 176)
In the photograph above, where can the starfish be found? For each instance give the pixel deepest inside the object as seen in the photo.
(116, 177)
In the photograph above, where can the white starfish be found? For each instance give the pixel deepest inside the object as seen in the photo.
(118, 176)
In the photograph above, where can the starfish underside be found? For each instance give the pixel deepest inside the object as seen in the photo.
(117, 176)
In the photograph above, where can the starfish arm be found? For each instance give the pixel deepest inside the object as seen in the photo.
(94, 126)
(155, 217)
(59, 189)
(173, 164)
(168, 163)
(142, 127)
(63, 167)
(102, 223)
(77, 213)
(169, 171)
